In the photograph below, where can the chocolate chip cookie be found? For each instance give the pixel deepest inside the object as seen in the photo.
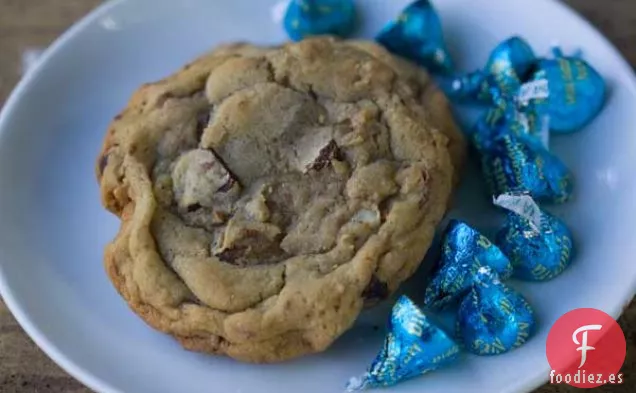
(267, 194)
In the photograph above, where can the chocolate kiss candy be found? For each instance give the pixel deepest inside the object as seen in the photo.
(493, 318)
(417, 35)
(306, 18)
(506, 69)
(413, 346)
(573, 96)
(539, 245)
(464, 251)
(515, 161)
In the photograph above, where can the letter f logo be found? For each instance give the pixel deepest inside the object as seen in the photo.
(583, 344)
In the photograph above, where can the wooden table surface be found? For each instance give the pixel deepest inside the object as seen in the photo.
(35, 23)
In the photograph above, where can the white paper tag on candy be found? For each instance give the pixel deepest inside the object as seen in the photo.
(538, 89)
(543, 132)
(523, 205)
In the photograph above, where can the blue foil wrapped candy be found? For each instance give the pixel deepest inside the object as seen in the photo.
(520, 117)
(306, 18)
(514, 160)
(540, 245)
(576, 92)
(417, 35)
(507, 68)
(493, 318)
(413, 346)
(464, 251)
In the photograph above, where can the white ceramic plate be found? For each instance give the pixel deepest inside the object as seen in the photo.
(53, 229)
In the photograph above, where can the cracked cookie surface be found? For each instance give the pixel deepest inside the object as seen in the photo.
(267, 194)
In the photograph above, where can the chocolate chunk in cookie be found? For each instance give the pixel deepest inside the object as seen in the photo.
(200, 179)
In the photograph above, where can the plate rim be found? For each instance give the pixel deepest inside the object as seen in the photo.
(44, 343)
(97, 384)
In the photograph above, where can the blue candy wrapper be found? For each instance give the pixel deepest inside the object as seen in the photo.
(515, 160)
(417, 35)
(306, 18)
(507, 68)
(413, 346)
(567, 90)
(493, 318)
(522, 118)
(539, 245)
(464, 251)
